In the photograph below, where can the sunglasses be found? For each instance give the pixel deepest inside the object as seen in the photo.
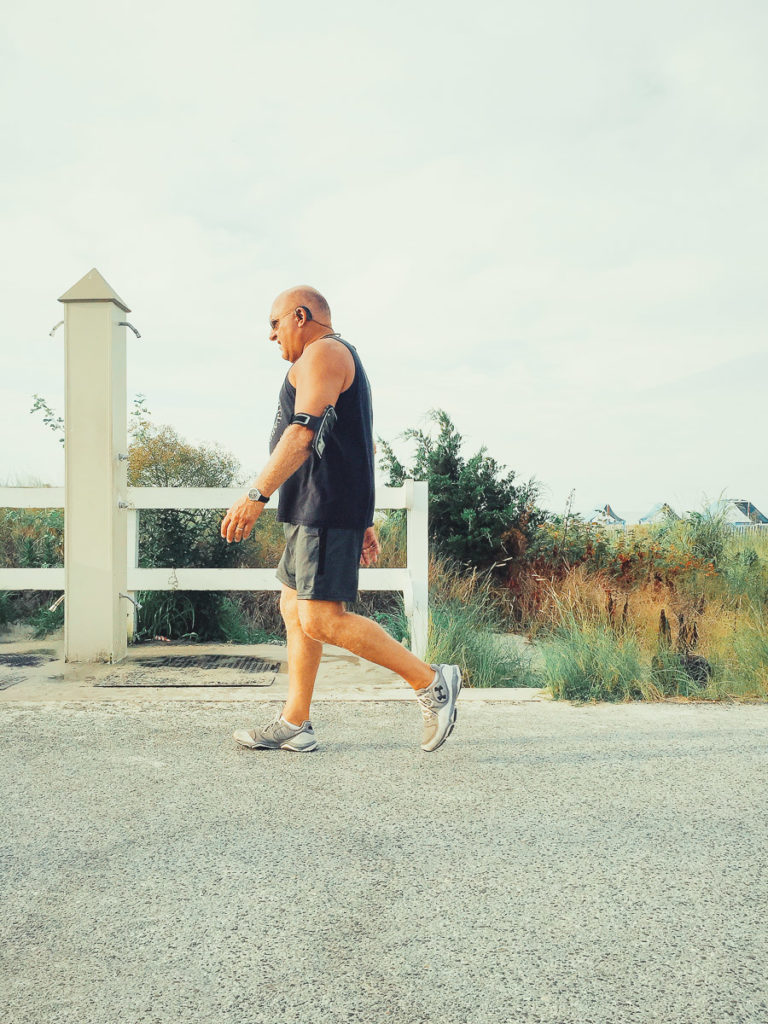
(273, 323)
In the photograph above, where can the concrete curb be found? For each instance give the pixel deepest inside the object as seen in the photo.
(342, 677)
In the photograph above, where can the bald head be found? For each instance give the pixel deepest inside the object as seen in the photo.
(303, 295)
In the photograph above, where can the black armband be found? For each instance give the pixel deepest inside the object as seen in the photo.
(322, 426)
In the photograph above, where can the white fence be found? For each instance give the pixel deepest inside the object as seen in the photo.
(101, 511)
(411, 581)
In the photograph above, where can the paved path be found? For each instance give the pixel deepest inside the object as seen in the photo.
(549, 864)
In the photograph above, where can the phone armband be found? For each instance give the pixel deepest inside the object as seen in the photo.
(322, 426)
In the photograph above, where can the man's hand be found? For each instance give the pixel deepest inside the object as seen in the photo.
(371, 547)
(239, 521)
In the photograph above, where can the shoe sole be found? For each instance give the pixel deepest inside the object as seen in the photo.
(448, 732)
(451, 724)
(282, 746)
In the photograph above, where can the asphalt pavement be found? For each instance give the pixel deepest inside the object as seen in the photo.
(550, 864)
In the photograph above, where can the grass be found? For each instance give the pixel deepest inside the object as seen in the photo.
(236, 628)
(464, 619)
(585, 661)
(600, 637)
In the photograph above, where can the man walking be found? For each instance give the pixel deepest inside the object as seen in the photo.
(321, 458)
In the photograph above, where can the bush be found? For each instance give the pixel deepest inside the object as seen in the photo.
(44, 621)
(7, 610)
(491, 520)
(179, 538)
(32, 538)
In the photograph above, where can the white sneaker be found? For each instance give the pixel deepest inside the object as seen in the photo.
(438, 705)
(278, 735)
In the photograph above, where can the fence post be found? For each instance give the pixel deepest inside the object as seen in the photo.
(95, 479)
(417, 545)
(133, 560)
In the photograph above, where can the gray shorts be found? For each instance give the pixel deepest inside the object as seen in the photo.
(321, 563)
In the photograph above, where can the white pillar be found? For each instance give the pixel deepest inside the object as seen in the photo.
(95, 421)
(417, 545)
(132, 516)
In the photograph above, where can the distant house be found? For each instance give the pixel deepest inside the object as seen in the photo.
(660, 513)
(607, 517)
(739, 514)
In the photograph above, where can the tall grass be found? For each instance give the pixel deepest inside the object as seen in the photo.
(464, 618)
(600, 636)
(584, 660)
(741, 657)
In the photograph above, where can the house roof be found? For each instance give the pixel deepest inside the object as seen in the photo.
(606, 514)
(660, 511)
(737, 511)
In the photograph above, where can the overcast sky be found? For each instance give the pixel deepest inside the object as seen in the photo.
(547, 219)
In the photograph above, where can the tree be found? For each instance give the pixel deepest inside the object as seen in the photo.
(477, 513)
(159, 457)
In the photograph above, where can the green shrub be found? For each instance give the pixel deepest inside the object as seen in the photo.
(32, 538)
(44, 621)
(472, 529)
(7, 611)
(568, 540)
(179, 538)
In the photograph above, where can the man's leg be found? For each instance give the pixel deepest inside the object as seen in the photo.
(328, 622)
(436, 691)
(304, 654)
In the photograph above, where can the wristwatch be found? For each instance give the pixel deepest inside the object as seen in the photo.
(255, 495)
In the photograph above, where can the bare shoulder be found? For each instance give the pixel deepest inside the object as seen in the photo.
(327, 357)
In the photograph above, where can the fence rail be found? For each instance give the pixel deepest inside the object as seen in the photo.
(411, 580)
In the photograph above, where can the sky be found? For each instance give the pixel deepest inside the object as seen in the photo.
(547, 219)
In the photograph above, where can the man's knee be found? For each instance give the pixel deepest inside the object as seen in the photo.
(288, 607)
(318, 620)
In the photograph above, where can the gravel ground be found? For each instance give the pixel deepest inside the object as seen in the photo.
(548, 864)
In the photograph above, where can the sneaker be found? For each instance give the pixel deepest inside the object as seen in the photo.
(278, 736)
(438, 705)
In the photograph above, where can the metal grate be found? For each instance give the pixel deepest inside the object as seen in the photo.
(192, 670)
(23, 660)
(208, 661)
(9, 663)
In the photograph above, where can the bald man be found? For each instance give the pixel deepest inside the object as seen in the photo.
(322, 460)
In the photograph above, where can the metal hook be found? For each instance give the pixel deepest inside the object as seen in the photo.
(129, 598)
(55, 328)
(124, 323)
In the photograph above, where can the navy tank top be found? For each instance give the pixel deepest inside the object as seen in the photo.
(337, 490)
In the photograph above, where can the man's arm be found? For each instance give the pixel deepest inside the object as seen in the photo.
(320, 374)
